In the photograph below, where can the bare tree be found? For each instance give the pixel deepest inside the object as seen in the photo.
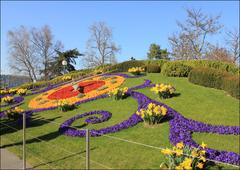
(232, 41)
(100, 47)
(43, 41)
(22, 54)
(220, 54)
(191, 41)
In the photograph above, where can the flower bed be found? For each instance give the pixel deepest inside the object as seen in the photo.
(181, 128)
(66, 92)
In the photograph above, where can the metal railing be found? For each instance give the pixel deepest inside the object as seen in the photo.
(87, 147)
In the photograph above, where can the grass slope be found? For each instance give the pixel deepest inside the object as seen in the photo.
(59, 151)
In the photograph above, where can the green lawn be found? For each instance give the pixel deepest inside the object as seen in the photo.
(199, 103)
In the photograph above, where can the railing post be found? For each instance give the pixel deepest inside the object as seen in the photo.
(24, 138)
(87, 150)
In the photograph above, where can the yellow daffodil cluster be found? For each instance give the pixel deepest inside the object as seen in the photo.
(153, 114)
(14, 113)
(136, 70)
(17, 110)
(8, 99)
(185, 158)
(3, 91)
(118, 93)
(21, 91)
(66, 78)
(64, 105)
(13, 91)
(63, 102)
(163, 90)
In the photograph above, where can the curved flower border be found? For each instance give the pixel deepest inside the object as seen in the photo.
(181, 128)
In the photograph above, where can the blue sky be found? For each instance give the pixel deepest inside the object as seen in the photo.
(135, 24)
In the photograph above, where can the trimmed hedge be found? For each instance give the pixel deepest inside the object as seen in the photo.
(174, 69)
(153, 68)
(215, 78)
(224, 66)
(124, 66)
(160, 62)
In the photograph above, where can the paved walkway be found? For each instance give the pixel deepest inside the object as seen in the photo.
(9, 161)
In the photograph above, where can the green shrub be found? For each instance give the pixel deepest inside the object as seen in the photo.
(231, 84)
(124, 66)
(207, 77)
(224, 66)
(160, 63)
(153, 68)
(215, 78)
(174, 69)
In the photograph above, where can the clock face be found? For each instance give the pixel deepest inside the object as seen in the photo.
(81, 90)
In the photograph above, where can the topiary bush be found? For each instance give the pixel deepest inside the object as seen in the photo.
(174, 69)
(215, 78)
(153, 68)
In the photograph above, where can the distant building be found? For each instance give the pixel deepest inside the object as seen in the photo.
(12, 80)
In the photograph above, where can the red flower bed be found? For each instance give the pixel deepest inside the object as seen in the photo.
(68, 91)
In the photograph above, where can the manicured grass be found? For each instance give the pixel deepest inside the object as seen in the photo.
(195, 102)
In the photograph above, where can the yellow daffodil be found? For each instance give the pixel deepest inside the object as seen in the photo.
(179, 168)
(203, 159)
(179, 152)
(180, 145)
(194, 154)
(203, 145)
(167, 151)
(164, 110)
(200, 165)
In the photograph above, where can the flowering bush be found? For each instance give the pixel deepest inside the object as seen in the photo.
(8, 99)
(153, 114)
(136, 70)
(21, 92)
(13, 113)
(66, 78)
(164, 91)
(119, 93)
(183, 157)
(65, 106)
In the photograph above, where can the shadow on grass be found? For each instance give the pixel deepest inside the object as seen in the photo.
(46, 137)
(63, 158)
(11, 126)
(176, 94)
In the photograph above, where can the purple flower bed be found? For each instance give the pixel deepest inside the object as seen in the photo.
(64, 128)
(16, 100)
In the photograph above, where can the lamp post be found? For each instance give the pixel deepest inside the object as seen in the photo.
(64, 63)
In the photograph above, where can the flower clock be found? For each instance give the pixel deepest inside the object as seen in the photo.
(77, 91)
